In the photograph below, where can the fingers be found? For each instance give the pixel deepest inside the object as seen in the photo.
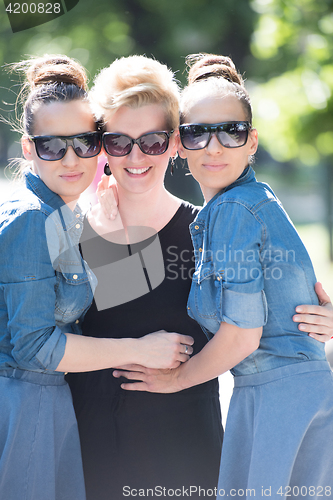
(135, 386)
(321, 338)
(130, 368)
(129, 375)
(185, 339)
(108, 203)
(309, 319)
(321, 294)
(307, 310)
(108, 197)
(186, 349)
(103, 183)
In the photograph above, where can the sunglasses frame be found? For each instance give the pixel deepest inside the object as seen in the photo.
(69, 142)
(212, 128)
(137, 141)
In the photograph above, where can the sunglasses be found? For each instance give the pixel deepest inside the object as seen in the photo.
(153, 143)
(229, 134)
(52, 148)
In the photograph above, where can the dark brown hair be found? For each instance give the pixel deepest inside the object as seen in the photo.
(218, 74)
(47, 79)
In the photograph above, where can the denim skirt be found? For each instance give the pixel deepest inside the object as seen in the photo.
(40, 456)
(279, 434)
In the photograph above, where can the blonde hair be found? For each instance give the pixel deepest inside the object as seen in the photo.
(136, 81)
(213, 75)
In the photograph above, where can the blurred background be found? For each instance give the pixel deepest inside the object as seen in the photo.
(284, 49)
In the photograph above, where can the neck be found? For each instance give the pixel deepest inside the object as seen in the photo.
(209, 193)
(153, 208)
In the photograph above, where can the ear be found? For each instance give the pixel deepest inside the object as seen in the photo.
(181, 150)
(253, 141)
(27, 147)
(173, 141)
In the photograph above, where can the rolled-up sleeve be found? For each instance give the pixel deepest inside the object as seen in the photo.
(236, 236)
(28, 283)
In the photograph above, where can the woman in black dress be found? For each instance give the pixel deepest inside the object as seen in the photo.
(138, 443)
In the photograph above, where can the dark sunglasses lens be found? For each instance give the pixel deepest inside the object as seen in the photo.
(233, 135)
(193, 137)
(87, 146)
(154, 144)
(50, 149)
(117, 145)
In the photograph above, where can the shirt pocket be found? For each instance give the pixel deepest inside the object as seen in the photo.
(74, 295)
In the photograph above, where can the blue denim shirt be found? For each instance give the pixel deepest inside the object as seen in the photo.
(45, 286)
(252, 270)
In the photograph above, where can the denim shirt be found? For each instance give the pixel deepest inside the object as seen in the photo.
(252, 270)
(45, 286)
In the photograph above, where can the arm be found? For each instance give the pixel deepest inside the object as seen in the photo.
(36, 342)
(156, 350)
(318, 320)
(229, 346)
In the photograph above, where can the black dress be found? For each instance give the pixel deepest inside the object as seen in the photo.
(140, 443)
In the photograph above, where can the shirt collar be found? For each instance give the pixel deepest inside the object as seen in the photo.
(248, 175)
(35, 184)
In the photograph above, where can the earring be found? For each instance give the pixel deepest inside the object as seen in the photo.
(172, 164)
(107, 170)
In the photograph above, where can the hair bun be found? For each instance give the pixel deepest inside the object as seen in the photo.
(55, 69)
(203, 66)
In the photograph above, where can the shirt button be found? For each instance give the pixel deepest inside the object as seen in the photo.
(200, 249)
(218, 278)
(78, 226)
(77, 216)
(188, 307)
(196, 227)
(77, 321)
(75, 276)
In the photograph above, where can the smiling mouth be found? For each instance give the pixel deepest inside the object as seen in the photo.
(137, 171)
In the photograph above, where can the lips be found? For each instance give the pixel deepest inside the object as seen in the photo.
(137, 171)
(215, 167)
(72, 177)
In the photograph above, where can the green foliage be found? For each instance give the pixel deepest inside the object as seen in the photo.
(284, 47)
(293, 40)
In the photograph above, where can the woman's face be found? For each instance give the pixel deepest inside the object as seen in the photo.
(71, 175)
(216, 167)
(138, 172)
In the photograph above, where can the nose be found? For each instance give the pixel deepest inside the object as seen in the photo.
(70, 159)
(136, 155)
(214, 146)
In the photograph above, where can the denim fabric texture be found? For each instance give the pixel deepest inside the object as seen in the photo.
(252, 270)
(45, 286)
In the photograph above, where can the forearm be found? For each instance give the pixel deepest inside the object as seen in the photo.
(88, 354)
(156, 350)
(229, 346)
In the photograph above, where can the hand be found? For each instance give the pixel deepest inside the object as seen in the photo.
(149, 379)
(108, 196)
(164, 350)
(317, 320)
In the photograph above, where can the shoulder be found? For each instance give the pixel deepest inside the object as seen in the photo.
(24, 216)
(23, 201)
(252, 197)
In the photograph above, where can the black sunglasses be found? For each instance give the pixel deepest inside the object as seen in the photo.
(52, 148)
(153, 143)
(229, 134)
